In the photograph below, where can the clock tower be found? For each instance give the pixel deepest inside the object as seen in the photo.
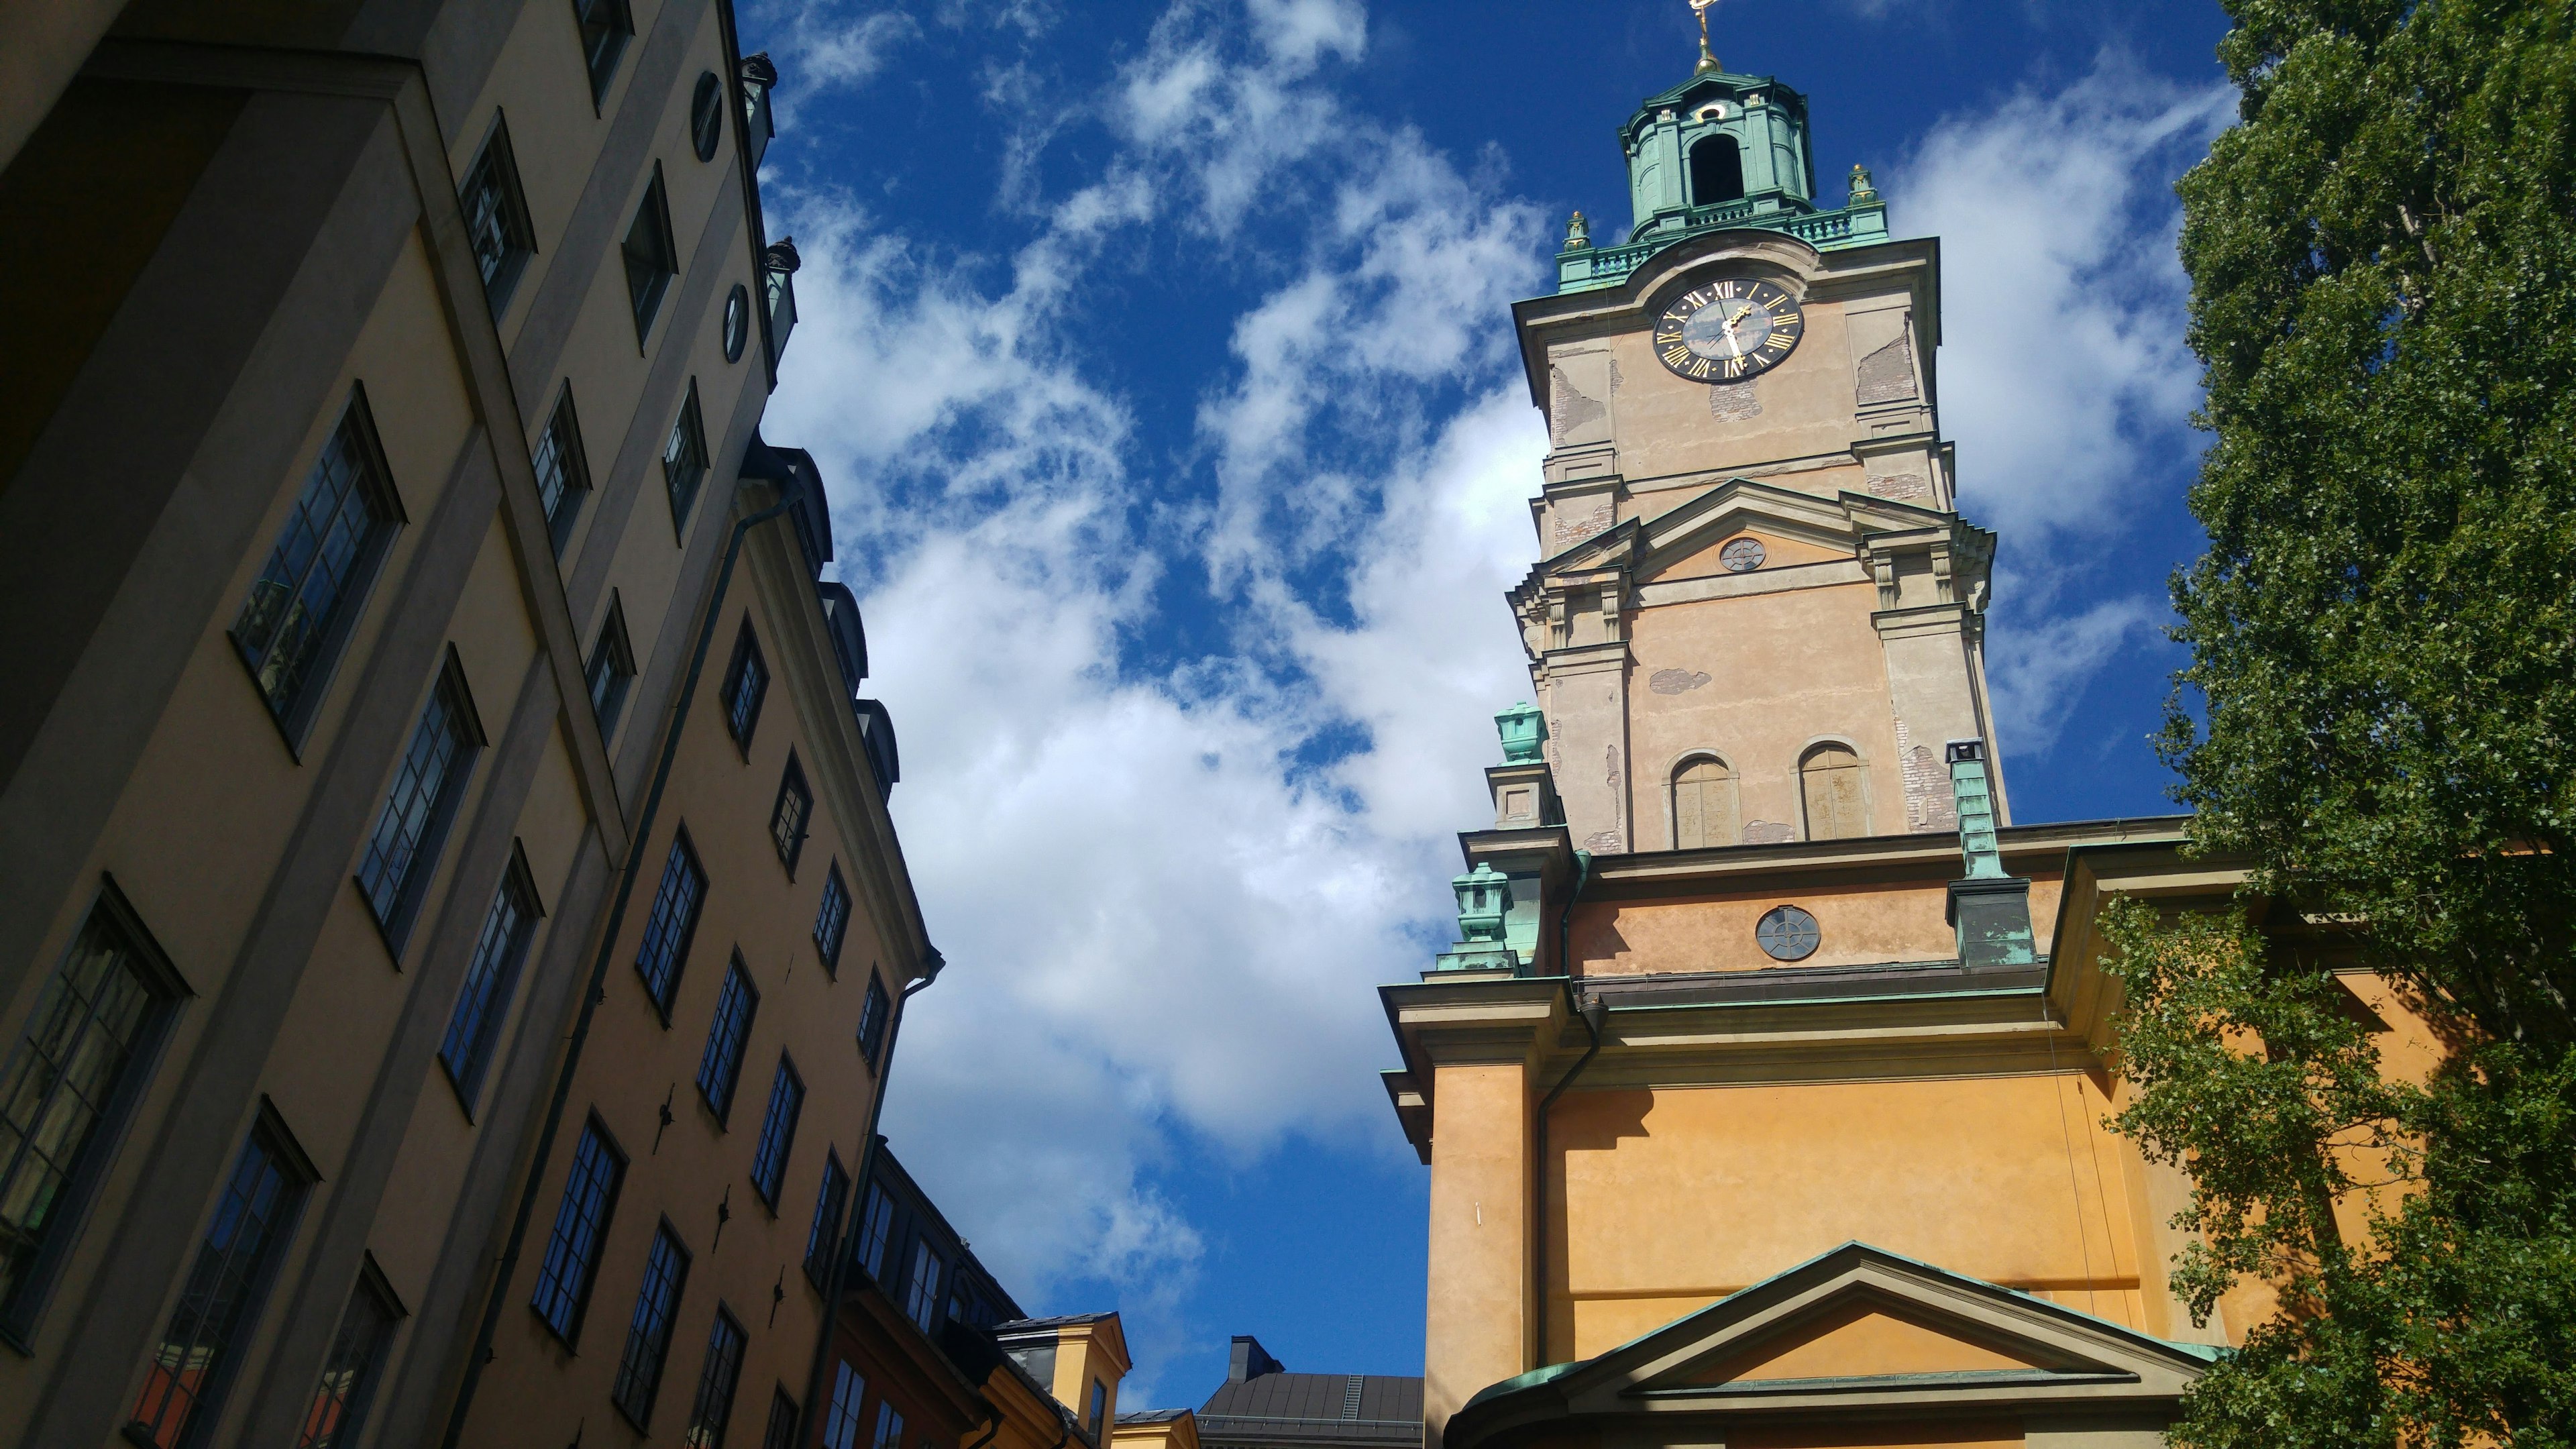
(1757, 616)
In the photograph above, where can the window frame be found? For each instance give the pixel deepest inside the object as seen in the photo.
(831, 1200)
(646, 291)
(889, 1434)
(834, 889)
(373, 481)
(600, 64)
(873, 1014)
(876, 1231)
(740, 723)
(466, 1077)
(394, 920)
(778, 1138)
(686, 461)
(23, 1307)
(699, 1433)
(612, 647)
(736, 974)
(791, 782)
(848, 1408)
(577, 1301)
(706, 116)
(518, 233)
(563, 429)
(1810, 770)
(370, 1289)
(621, 1387)
(780, 1432)
(683, 850)
(920, 1289)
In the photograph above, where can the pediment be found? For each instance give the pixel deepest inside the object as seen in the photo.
(1856, 1329)
(1674, 540)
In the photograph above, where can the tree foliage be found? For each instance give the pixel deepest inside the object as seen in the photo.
(2383, 633)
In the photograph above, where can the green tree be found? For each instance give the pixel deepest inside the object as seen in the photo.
(2383, 632)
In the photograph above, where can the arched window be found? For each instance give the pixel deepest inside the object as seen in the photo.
(1703, 804)
(1829, 777)
(1716, 171)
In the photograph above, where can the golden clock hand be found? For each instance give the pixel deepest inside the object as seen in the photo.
(1740, 314)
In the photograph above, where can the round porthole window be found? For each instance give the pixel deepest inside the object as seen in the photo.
(1742, 555)
(737, 322)
(1786, 933)
(706, 116)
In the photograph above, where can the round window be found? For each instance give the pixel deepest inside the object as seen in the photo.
(706, 116)
(737, 322)
(1741, 556)
(1787, 933)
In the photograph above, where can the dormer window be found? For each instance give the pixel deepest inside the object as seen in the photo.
(1716, 171)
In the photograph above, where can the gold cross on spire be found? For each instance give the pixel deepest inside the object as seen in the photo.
(1707, 58)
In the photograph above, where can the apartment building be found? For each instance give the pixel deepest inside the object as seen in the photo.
(451, 935)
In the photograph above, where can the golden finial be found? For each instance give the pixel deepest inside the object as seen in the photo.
(1707, 58)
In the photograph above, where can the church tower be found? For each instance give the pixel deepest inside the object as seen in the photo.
(1762, 1093)
(1757, 615)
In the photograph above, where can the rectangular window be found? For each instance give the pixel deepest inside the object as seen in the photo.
(721, 1066)
(789, 818)
(648, 1335)
(299, 611)
(68, 1084)
(872, 1021)
(563, 469)
(781, 1433)
(611, 669)
(339, 1407)
(1099, 1410)
(651, 259)
(581, 1223)
(841, 1423)
(192, 1364)
(606, 26)
(491, 979)
(832, 920)
(673, 922)
(921, 1295)
(713, 1405)
(496, 218)
(684, 458)
(889, 1426)
(826, 1228)
(874, 1229)
(777, 1131)
(402, 854)
(746, 681)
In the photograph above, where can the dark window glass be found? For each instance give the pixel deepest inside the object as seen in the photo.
(706, 116)
(789, 818)
(721, 1066)
(496, 218)
(684, 458)
(872, 1022)
(67, 1082)
(889, 1426)
(674, 920)
(563, 469)
(777, 1131)
(606, 26)
(921, 1295)
(746, 681)
(1716, 171)
(400, 855)
(651, 258)
(192, 1363)
(832, 920)
(611, 668)
(874, 1229)
(339, 1407)
(713, 1406)
(332, 541)
(826, 1228)
(781, 1433)
(490, 981)
(841, 1423)
(648, 1336)
(572, 1250)
(1099, 1408)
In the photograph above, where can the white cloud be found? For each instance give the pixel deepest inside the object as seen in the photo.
(2041, 665)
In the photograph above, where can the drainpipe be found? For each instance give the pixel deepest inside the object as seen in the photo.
(593, 994)
(836, 1278)
(1592, 1014)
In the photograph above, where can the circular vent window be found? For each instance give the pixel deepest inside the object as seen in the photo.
(1787, 933)
(1741, 556)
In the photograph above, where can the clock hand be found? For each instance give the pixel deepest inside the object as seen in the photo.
(1740, 314)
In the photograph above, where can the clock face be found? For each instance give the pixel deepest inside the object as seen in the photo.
(1728, 331)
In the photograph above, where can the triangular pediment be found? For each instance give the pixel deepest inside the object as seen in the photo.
(1858, 1328)
(1676, 540)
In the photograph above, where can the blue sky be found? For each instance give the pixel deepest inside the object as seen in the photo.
(1160, 363)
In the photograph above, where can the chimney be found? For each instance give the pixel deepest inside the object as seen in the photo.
(1991, 910)
(1250, 1362)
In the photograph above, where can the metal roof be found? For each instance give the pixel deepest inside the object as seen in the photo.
(1286, 1408)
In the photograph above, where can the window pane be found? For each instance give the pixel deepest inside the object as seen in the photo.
(777, 1131)
(572, 1250)
(336, 528)
(923, 1295)
(713, 1406)
(746, 681)
(667, 931)
(61, 1080)
(781, 1433)
(721, 1065)
(413, 807)
(605, 26)
(832, 921)
(841, 1422)
(889, 1427)
(874, 1231)
(489, 983)
(190, 1363)
(787, 821)
(648, 1336)
(684, 457)
(826, 1226)
(339, 1404)
(872, 1022)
